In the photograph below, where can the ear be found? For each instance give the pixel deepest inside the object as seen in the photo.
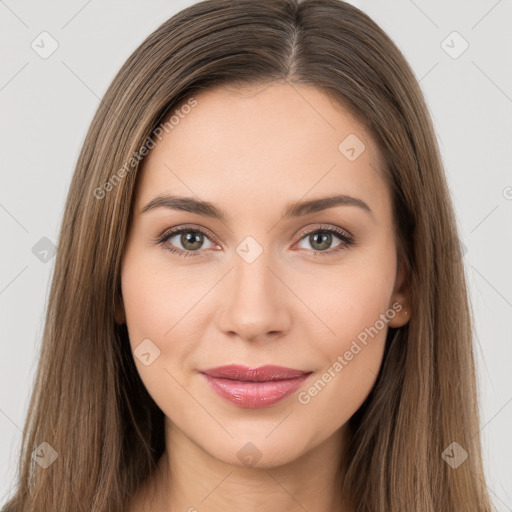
(400, 300)
(119, 313)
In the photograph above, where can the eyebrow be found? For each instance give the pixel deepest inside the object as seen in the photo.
(296, 209)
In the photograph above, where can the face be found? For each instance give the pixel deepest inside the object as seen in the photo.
(314, 290)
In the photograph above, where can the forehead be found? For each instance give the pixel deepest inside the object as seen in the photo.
(288, 140)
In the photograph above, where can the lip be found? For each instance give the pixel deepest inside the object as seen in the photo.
(254, 387)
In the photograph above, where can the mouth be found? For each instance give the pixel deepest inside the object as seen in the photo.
(254, 387)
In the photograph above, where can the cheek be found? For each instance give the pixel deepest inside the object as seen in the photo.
(159, 297)
(160, 303)
(355, 313)
(351, 361)
(348, 300)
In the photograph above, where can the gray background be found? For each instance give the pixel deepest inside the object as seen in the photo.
(47, 105)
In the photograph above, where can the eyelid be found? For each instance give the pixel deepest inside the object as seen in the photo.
(327, 227)
(183, 227)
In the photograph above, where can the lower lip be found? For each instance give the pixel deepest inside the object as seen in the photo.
(254, 395)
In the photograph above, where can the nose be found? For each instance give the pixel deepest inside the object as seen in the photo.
(256, 301)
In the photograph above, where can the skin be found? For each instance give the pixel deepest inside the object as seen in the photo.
(251, 152)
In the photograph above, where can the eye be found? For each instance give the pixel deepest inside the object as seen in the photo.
(191, 241)
(321, 239)
(188, 241)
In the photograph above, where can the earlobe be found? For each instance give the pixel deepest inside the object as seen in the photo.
(402, 311)
(399, 303)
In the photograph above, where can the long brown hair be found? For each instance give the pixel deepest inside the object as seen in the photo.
(89, 408)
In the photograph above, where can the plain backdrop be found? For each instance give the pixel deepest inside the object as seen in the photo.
(47, 103)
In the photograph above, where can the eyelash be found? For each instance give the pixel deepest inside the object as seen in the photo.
(346, 240)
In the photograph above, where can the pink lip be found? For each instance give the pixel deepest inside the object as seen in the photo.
(254, 387)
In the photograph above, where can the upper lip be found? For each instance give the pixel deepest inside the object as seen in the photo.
(261, 374)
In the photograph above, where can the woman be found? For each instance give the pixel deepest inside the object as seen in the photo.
(259, 300)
